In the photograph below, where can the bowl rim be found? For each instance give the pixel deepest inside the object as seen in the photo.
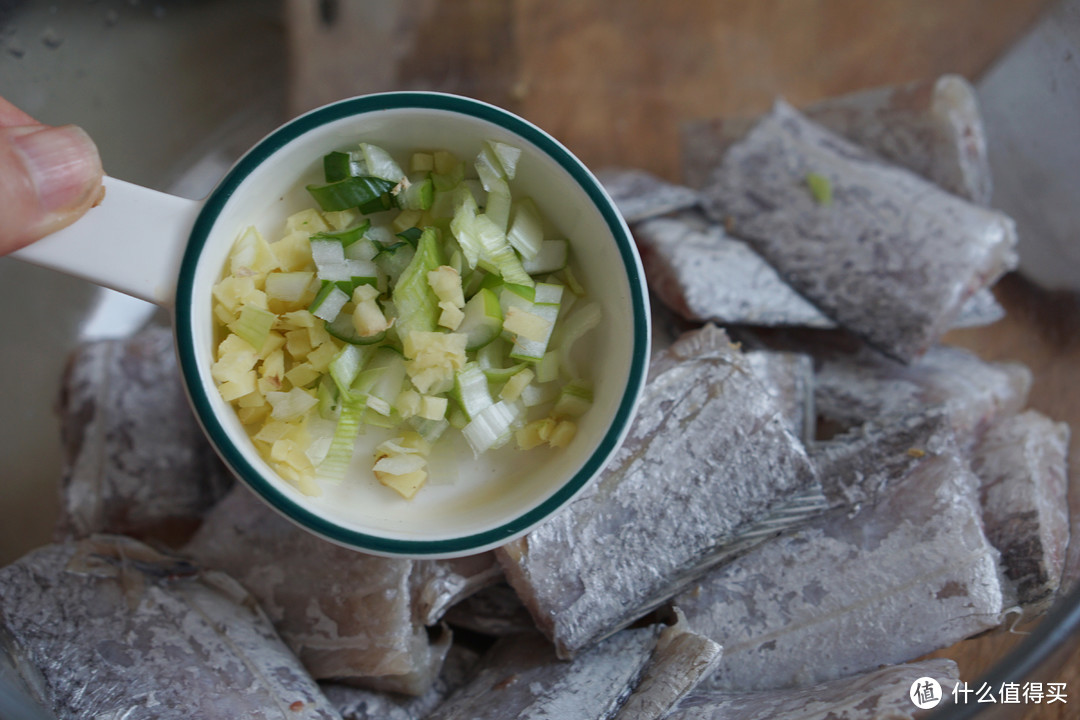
(189, 363)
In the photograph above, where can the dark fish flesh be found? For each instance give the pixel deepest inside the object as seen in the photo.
(879, 694)
(135, 461)
(708, 456)
(1022, 462)
(847, 593)
(931, 127)
(521, 678)
(119, 630)
(639, 194)
(361, 704)
(495, 611)
(346, 615)
(878, 249)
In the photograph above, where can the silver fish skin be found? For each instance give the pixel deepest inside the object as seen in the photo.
(134, 459)
(857, 467)
(120, 630)
(890, 256)
(346, 615)
(709, 455)
(681, 660)
(845, 594)
(495, 611)
(932, 127)
(1022, 462)
(879, 694)
(705, 275)
(640, 195)
(853, 388)
(789, 378)
(521, 678)
(361, 704)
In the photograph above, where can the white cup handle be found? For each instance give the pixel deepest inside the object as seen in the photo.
(132, 241)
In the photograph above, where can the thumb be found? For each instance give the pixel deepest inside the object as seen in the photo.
(49, 176)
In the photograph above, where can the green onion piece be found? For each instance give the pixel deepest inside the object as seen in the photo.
(490, 427)
(336, 166)
(417, 306)
(345, 366)
(367, 193)
(574, 400)
(483, 319)
(337, 458)
(327, 395)
(418, 196)
(380, 164)
(576, 324)
(526, 231)
(328, 301)
(551, 256)
(254, 325)
(345, 237)
(343, 329)
(411, 235)
(548, 367)
(501, 375)
(471, 390)
(430, 430)
(820, 188)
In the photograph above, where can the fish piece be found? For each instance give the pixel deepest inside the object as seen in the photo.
(931, 127)
(23, 689)
(134, 459)
(789, 378)
(346, 615)
(361, 704)
(705, 275)
(439, 584)
(120, 630)
(639, 194)
(1022, 464)
(520, 677)
(883, 693)
(846, 593)
(496, 611)
(852, 388)
(681, 660)
(708, 456)
(856, 467)
(878, 249)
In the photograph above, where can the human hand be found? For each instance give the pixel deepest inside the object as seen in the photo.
(49, 177)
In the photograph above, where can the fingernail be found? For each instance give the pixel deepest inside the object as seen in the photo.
(63, 164)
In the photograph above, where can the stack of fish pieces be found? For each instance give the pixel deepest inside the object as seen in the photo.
(108, 627)
(1019, 457)
(372, 631)
(135, 461)
(885, 253)
(695, 265)
(711, 465)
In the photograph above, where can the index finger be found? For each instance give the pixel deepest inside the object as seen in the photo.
(11, 116)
